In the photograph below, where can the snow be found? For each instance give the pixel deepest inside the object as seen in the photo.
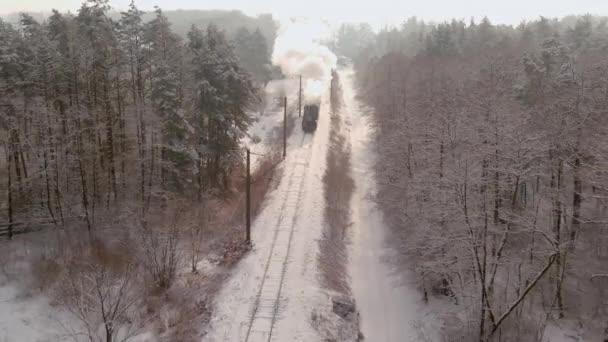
(28, 318)
(261, 133)
(275, 289)
(390, 305)
(280, 274)
(302, 293)
(569, 331)
(31, 317)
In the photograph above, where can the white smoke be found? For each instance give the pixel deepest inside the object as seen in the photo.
(298, 51)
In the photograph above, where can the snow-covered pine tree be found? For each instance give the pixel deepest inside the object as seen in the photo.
(164, 51)
(224, 93)
(131, 37)
(261, 57)
(98, 42)
(253, 53)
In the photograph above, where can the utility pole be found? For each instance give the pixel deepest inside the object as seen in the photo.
(10, 194)
(300, 98)
(285, 127)
(248, 199)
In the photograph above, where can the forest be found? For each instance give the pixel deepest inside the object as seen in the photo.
(121, 142)
(493, 155)
(122, 172)
(90, 104)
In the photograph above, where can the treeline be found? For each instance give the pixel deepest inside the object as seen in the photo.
(230, 21)
(254, 53)
(97, 113)
(493, 155)
(182, 20)
(252, 36)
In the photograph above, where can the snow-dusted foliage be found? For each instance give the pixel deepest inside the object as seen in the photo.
(223, 94)
(95, 110)
(252, 50)
(491, 144)
(106, 122)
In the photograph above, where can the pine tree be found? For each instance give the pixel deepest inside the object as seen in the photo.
(224, 93)
(97, 38)
(260, 57)
(131, 36)
(252, 51)
(165, 59)
(243, 44)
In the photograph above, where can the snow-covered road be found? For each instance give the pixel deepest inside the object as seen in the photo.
(389, 303)
(274, 289)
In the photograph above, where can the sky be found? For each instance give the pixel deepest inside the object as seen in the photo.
(376, 12)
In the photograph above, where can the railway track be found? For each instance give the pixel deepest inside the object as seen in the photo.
(267, 304)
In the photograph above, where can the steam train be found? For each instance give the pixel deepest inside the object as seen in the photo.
(311, 111)
(310, 117)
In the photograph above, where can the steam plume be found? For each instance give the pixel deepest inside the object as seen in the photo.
(298, 51)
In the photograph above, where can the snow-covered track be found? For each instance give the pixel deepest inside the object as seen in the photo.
(267, 302)
(274, 289)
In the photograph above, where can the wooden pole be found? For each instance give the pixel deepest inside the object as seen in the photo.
(285, 128)
(10, 194)
(248, 199)
(300, 98)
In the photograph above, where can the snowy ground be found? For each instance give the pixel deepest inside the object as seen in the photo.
(275, 289)
(26, 315)
(28, 318)
(566, 333)
(389, 304)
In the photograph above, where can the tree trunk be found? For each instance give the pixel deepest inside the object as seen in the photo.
(152, 166)
(23, 165)
(82, 174)
(110, 142)
(10, 193)
(576, 201)
(49, 204)
(497, 199)
(14, 146)
(557, 219)
(123, 136)
(53, 162)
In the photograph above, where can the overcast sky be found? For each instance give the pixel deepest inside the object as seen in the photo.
(376, 12)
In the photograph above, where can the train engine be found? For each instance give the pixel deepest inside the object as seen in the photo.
(309, 120)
